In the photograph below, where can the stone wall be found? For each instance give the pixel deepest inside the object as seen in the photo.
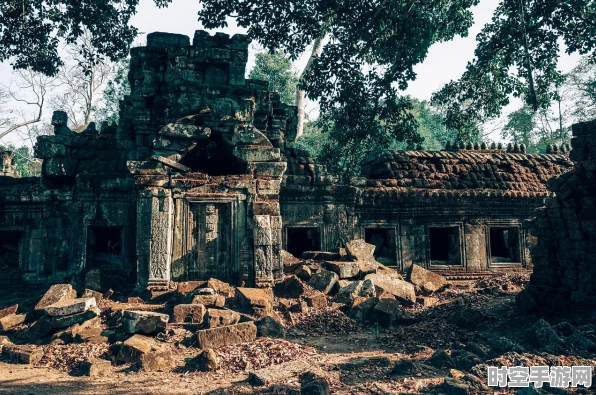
(7, 164)
(565, 253)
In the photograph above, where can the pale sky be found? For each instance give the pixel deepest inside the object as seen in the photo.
(445, 61)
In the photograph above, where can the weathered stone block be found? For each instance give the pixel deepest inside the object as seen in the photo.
(316, 300)
(26, 354)
(269, 327)
(426, 280)
(257, 301)
(192, 313)
(9, 310)
(97, 368)
(70, 306)
(146, 322)
(388, 312)
(11, 320)
(216, 318)
(189, 286)
(57, 322)
(343, 269)
(226, 335)
(290, 287)
(55, 294)
(402, 290)
(360, 250)
(323, 280)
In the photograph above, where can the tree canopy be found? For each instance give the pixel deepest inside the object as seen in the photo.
(277, 69)
(31, 31)
(517, 55)
(370, 50)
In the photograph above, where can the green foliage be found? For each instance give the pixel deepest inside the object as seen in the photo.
(499, 69)
(370, 50)
(520, 128)
(277, 69)
(116, 88)
(26, 164)
(31, 31)
(342, 146)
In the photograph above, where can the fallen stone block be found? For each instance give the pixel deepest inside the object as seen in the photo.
(26, 354)
(4, 340)
(368, 266)
(227, 335)
(206, 361)
(321, 255)
(134, 300)
(256, 301)
(347, 294)
(135, 346)
(269, 327)
(39, 329)
(426, 280)
(312, 384)
(221, 287)
(58, 322)
(362, 308)
(205, 300)
(316, 300)
(12, 320)
(360, 250)
(70, 307)
(216, 318)
(388, 312)
(289, 261)
(158, 360)
(97, 368)
(402, 290)
(323, 281)
(146, 322)
(290, 287)
(89, 293)
(9, 310)
(189, 286)
(189, 313)
(289, 305)
(455, 387)
(427, 301)
(343, 269)
(304, 273)
(440, 359)
(55, 294)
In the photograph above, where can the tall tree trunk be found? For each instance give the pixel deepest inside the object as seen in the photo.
(317, 47)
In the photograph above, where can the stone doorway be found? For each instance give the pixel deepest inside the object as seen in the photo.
(211, 233)
(10, 251)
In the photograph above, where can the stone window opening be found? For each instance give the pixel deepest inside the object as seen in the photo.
(384, 243)
(445, 246)
(504, 245)
(104, 246)
(300, 240)
(10, 249)
(213, 157)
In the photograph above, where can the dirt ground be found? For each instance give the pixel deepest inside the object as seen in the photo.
(353, 359)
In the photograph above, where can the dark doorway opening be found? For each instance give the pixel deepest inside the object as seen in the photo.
(384, 242)
(300, 240)
(445, 246)
(10, 242)
(214, 157)
(104, 246)
(504, 245)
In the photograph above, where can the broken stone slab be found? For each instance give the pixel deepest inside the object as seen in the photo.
(323, 280)
(57, 322)
(270, 327)
(39, 329)
(209, 300)
(216, 318)
(289, 261)
(362, 308)
(426, 280)
(388, 312)
(303, 272)
(55, 294)
(97, 368)
(312, 384)
(427, 301)
(368, 266)
(455, 387)
(70, 307)
(316, 300)
(290, 287)
(347, 294)
(12, 320)
(227, 335)
(221, 287)
(157, 361)
(132, 349)
(360, 250)
(343, 269)
(206, 361)
(256, 301)
(27, 354)
(402, 290)
(189, 313)
(89, 293)
(147, 322)
(9, 310)
(3, 341)
(189, 286)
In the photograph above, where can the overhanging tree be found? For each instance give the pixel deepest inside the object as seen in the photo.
(277, 69)
(517, 56)
(370, 51)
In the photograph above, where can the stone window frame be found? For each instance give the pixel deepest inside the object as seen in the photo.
(521, 241)
(104, 224)
(462, 248)
(303, 224)
(394, 227)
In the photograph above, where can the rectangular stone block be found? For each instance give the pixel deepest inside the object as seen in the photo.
(227, 335)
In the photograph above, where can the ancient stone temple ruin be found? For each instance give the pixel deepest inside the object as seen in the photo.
(565, 254)
(7, 164)
(200, 179)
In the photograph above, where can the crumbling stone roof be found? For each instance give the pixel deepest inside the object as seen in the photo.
(465, 170)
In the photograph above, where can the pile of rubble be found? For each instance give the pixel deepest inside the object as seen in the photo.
(324, 292)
